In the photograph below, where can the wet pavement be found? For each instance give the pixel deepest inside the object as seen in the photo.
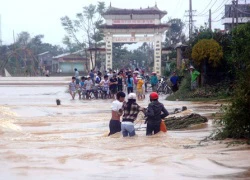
(40, 140)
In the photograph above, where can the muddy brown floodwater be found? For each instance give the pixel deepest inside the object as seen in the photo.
(39, 140)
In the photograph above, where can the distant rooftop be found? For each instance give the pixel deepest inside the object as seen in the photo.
(43, 53)
(120, 11)
(80, 52)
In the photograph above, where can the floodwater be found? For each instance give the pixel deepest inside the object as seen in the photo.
(40, 140)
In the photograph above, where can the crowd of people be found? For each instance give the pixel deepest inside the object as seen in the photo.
(107, 84)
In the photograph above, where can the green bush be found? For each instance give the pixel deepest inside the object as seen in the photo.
(236, 120)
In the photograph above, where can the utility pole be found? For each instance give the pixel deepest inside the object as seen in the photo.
(210, 20)
(236, 10)
(233, 14)
(190, 19)
(1, 30)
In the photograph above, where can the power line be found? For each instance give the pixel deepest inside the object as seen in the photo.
(205, 8)
(177, 5)
(241, 10)
(209, 8)
(220, 14)
(228, 11)
(220, 6)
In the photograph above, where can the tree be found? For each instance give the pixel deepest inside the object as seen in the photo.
(236, 120)
(121, 56)
(142, 57)
(23, 54)
(83, 32)
(23, 38)
(205, 52)
(174, 35)
(207, 49)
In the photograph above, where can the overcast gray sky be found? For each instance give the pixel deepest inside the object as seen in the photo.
(43, 16)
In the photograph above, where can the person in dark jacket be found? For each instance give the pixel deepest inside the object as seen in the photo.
(155, 113)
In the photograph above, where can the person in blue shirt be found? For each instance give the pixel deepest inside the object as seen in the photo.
(174, 81)
(81, 88)
(77, 76)
(92, 76)
(154, 82)
(129, 83)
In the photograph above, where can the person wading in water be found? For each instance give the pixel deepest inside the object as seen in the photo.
(131, 110)
(115, 124)
(155, 113)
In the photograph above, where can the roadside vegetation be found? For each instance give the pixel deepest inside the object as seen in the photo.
(236, 120)
(224, 62)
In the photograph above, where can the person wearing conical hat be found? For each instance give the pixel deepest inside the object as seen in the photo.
(194, 76)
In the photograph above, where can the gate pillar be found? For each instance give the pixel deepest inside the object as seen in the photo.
(157, 53)
(108, 40)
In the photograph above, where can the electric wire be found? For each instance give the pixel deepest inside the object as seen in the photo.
(209, 8)
(248, 13)
(220, 6)
(205, 8)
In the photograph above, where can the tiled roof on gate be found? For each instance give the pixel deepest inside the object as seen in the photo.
(119, 11)
(134, 26)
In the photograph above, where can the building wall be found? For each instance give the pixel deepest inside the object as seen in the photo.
(241, 9)
(243, 15)
(68, 67)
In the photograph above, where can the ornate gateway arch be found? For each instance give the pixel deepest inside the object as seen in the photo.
(134, 25)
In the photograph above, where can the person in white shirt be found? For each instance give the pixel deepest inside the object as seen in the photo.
(72, 88)
(105, 86)
(110, 74)
(116, 107)
(88, 84)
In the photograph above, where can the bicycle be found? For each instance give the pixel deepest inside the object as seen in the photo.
(164, 88)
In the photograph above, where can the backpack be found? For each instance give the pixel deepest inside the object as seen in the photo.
(97, 80)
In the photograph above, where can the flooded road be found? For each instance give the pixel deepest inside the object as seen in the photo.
(40, 140)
